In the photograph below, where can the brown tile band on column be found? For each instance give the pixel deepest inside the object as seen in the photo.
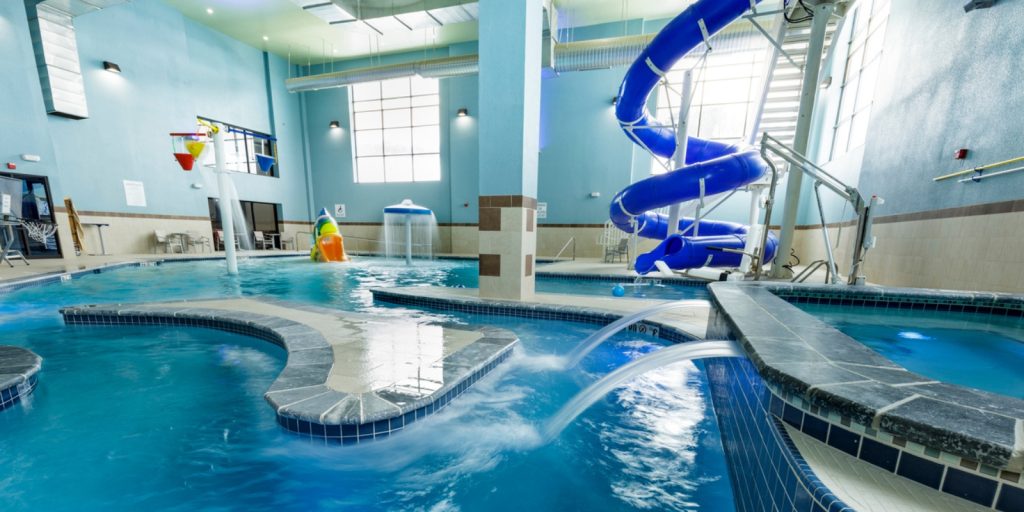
(490, 219)
(529, 266)
(508, 201)
(490, 265)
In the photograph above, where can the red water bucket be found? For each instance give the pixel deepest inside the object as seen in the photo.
(186, 160)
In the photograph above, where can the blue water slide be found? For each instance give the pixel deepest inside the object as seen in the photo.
(723, 167)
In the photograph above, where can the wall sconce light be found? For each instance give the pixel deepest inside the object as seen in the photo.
(110, 66)
(826, 82)
(334, 124)
(463, 112)
(615, 100)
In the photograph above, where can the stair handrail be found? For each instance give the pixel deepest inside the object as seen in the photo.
(572, 240)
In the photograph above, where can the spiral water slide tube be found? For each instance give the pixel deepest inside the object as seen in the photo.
(723, 167)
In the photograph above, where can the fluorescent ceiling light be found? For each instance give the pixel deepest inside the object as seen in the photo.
(329, 12)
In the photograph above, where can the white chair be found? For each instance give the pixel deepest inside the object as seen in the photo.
(197, 241)
(168, 242)
(218, 240)
(262, 241)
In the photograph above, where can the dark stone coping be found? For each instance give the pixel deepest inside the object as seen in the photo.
(299, 395)
(568, 313)
(811, 359)
(18, 369)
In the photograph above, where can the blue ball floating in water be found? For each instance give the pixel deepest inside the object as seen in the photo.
(618, 291)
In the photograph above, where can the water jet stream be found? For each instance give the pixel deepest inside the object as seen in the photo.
(689, 351)
(594, 340)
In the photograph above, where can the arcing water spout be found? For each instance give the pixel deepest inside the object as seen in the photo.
(611, 329)
(682, 352)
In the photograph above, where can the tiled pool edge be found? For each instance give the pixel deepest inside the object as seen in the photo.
(11, 285)
(855, 425)
(528, 310)
(778, 489)
(300, 399)
(18, 374)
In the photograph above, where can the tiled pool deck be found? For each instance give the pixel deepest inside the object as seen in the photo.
(18, 369)
(349, 377)
(961, 441)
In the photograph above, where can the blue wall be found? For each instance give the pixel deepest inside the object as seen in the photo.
(948, 79)
(173, 70)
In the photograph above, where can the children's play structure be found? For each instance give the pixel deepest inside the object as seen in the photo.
(328, 244)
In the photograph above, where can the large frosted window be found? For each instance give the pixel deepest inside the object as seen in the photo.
(396, 130)
(866, 37)
(726, 91)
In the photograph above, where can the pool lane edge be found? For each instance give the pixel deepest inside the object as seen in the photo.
(301, 399)
(18, 369)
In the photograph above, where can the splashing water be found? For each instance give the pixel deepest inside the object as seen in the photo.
(676, 353)
(599, 337)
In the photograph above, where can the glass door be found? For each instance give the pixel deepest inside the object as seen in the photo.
(36, 204)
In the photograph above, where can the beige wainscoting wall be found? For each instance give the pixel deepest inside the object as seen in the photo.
(126, 233)
(970, 248)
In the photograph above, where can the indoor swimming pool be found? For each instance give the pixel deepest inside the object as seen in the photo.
(172, 419)
(988, 350)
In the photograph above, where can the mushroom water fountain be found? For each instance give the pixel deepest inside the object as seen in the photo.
(409, 231)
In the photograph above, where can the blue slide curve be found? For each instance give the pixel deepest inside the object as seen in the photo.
(722, 166)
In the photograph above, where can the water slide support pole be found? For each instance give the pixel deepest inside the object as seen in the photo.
(808, 91)
(679, 158)
(227, 222)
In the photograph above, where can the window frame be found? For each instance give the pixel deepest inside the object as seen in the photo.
(412, 102)
(859, 40)
(248, 151)
(707, 74)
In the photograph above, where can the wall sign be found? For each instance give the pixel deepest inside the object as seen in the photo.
(339, 211)
(542, 210)
(134, 193)
(5, 204)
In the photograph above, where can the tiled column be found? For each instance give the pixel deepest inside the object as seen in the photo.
(508, 243)
(510, 61)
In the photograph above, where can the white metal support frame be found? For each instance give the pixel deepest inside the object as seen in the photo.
(227, 222)
(808, 92)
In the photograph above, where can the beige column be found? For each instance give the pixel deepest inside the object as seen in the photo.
(508, 246)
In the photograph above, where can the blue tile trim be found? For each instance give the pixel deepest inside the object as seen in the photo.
(529, 310)
(22, 368)
(349, 434)
(766, 470)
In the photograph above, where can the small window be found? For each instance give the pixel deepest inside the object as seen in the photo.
(396, 130)
(242, 145)
(866, 37)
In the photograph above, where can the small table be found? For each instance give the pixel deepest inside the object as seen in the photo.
(99, 228)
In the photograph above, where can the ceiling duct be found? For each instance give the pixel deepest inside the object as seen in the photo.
(577, 56)
(51, 24)
(384, 16)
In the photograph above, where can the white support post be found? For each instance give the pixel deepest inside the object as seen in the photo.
(679, 158)
(227, 222)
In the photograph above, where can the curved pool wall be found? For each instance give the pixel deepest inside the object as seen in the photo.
(18, 369)
(301, 399)
(766, 470)
(805, 373)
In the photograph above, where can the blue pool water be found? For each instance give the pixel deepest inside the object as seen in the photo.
(138, 418)
(975, 350)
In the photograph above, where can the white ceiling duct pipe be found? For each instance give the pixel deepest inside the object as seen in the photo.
(574, 56)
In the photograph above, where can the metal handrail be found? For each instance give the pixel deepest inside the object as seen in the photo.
(862, 207)
(807, 167)
(810, 270)
(572, 240)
